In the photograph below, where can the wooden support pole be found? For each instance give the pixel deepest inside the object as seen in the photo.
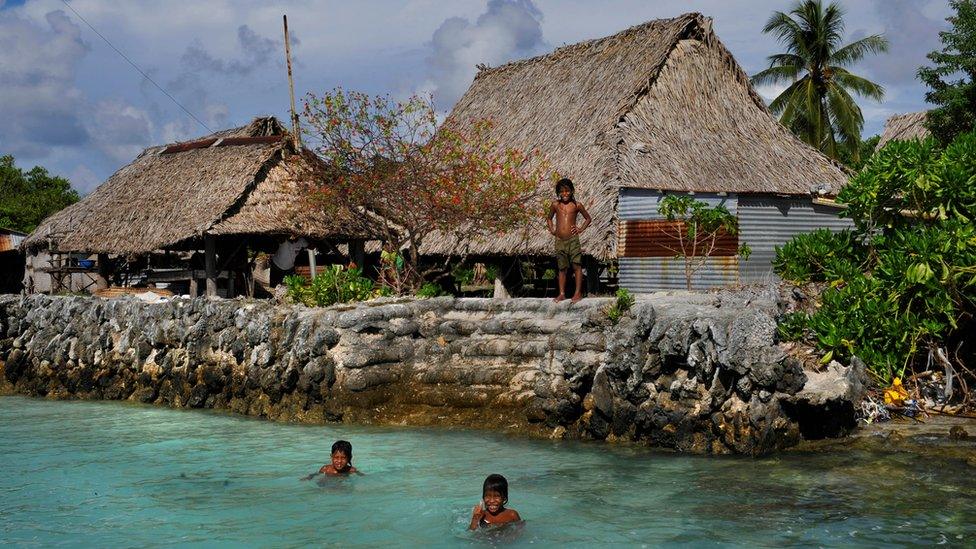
(102, 278)
(357, 252)
(194, 291)
(311, 262)
(210, 264)
(296, 130)
(592, 276)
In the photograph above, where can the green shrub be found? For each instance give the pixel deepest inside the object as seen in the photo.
(793, 327)
(463, 276)
(621, 305)
(335, 284)
(430, 289)
(820, 256)
(905, 279)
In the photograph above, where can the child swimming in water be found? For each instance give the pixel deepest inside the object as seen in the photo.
(341, 463)
(491, 510)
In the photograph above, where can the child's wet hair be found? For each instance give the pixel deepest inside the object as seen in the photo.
(495, 483)
(565, 183)
(343, 446)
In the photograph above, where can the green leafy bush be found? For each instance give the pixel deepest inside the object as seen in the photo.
(905, 279)
(623, 303)
(793, 326)
(430, 289)
(821, 256)
(335, 284)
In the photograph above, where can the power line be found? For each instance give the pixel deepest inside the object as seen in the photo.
(136, 67)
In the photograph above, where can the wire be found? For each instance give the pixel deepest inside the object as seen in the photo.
(136, 67)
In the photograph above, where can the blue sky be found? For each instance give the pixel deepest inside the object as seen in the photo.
(71, 104)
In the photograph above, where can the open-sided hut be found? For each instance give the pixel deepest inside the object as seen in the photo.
(904, 127)
(659, 108)
(244, 185)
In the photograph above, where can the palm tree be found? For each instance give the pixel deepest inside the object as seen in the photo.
(818, 105)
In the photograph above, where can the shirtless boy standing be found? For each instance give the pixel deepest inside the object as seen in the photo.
(568, 252)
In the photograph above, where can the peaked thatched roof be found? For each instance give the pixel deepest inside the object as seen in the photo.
(239, 181)
(662, 105)
(904, 127)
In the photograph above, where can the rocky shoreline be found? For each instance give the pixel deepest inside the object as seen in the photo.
(693, 372)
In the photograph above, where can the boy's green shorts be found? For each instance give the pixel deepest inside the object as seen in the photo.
(568, 251)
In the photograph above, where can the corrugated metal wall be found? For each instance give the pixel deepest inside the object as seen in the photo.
(764, 222)
(647, 274)
(769, 221)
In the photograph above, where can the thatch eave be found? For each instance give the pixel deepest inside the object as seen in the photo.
(241, 182)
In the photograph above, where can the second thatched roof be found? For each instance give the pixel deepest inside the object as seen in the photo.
(246, 180)
(662, 105)
(904, 127)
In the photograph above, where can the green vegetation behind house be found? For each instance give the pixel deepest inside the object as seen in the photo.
(26, 198)
(952, 77)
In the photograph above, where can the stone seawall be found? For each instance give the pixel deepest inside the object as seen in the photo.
(694, 372)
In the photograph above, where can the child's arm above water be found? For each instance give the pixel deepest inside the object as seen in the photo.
(477, 514)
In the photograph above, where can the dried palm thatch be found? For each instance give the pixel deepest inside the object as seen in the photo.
(239, 181)
(662, 105)
(904, 127)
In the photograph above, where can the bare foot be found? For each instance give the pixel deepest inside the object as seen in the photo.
(576, 298)
(559, 298)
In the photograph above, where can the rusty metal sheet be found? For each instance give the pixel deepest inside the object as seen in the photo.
(660, 239)
(230, 141)
(189, 146)
(10, 240)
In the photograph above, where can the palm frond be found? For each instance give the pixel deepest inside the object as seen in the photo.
(855, 51)
(847, 116)
(860, 85)
(782, 103)
(775, 75)
(785, 29)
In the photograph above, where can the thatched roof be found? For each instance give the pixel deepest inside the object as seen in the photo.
(904, 127)
(662, 105)
(239, 181)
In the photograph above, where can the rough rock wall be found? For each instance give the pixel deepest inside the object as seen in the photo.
(693, 372)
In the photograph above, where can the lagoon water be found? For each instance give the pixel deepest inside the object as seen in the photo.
(114, 474)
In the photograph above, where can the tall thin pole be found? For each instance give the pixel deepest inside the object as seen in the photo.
(291, 90)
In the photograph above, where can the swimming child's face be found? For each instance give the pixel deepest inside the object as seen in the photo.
(494, 502)
(565, 194)
(340, 461)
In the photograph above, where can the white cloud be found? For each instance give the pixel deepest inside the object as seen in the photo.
(83, 179)
(120, 130)
(39, 102)
(507, 30)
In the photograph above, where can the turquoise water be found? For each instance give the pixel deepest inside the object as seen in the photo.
(113, 474)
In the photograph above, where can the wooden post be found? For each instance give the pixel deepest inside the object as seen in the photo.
(291, 90)
(311, 262)
(357, 252)
(592, 276)
(210, 264)
(101, 278)
(194, 291)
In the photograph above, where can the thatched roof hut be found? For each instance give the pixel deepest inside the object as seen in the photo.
(904, 127)
(243, 181)
(662, 105)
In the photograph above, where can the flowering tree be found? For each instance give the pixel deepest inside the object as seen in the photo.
(390, 157)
